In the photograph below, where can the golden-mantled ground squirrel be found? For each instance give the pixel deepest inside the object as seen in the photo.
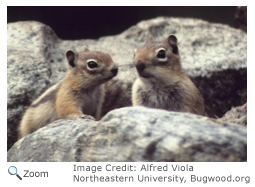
(79, 94)
(161, 83)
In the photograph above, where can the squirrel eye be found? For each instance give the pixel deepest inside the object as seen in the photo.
(161, 54)
(92, 64)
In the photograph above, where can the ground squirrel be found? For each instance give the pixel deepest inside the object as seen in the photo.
(161, 83)
(78, 94)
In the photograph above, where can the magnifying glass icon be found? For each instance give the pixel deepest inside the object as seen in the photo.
(13, 171)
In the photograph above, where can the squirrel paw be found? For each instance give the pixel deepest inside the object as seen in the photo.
(85, 116)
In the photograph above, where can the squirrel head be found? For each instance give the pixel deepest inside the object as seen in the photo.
(158, 59)
(93, 66)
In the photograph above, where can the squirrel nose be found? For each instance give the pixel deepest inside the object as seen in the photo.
(114, 70)
(140, 66)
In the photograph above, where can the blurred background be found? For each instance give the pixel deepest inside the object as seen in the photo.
(94, 22)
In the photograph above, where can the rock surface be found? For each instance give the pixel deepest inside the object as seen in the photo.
(213, 55)
(237, 115)
(241, 18)
(28, 68)
(134, 134)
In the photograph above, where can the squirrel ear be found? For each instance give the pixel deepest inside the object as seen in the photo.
(85, 49)
(71, 57)
(150, 39)
(172, 41)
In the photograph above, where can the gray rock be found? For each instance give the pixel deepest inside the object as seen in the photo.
(134, 134)
(28, 69)
(213, 55)
(237, 115)
(241, 18)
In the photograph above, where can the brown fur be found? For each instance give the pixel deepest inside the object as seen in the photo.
(161, 83)
(79, 94)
